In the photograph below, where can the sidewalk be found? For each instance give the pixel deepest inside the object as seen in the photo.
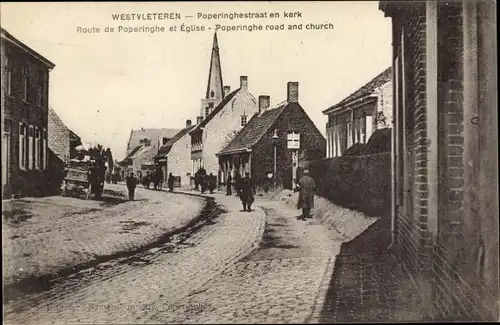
(43, 236)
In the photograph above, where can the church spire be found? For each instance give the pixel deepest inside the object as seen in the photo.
(215, 87)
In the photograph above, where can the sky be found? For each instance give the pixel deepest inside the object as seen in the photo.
(106, 84)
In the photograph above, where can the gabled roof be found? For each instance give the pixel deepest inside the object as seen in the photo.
(152, 134)
(366, 90)
(253, 131)
(165, 149)
(11, 39)
(215, 111)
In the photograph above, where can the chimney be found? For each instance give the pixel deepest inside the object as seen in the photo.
(244, 82)
(188, 123)
(264, 102)
(227, 90)
(199, 119)
(292, 92)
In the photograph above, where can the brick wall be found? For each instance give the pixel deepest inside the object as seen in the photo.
(58, 136)
(448, 272)
(412, 233)
(312, 147)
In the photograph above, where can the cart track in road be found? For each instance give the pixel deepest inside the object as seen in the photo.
(38, 284)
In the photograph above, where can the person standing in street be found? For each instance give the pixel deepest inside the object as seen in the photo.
(237, 184)
(306, 186)
(170, 182)
(229, 184)
(211, 183)
(131, 184)
(247, 191)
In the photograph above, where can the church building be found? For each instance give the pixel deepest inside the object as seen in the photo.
(222, 115)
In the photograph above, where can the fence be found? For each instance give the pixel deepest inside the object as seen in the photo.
(362, 183)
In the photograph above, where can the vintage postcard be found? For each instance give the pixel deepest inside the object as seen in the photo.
(249, 162)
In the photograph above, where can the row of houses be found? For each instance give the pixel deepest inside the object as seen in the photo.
(236, 132)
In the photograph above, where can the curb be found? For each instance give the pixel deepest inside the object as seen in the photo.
(315, 316)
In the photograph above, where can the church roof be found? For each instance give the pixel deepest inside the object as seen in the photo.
(215, 72)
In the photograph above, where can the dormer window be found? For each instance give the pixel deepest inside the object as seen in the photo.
(293, 140)
(212, 94)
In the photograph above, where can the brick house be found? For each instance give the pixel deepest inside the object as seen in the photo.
(175, 156)
(222, 114)
(25, 104)
(445, 158)
(252, 149)
(356, 117)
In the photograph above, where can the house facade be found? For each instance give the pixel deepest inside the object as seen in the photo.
(142, 147)
(175, 156)
(223, 113)
(355, 118)
(25, 105)
(286, 127)
(445, 154)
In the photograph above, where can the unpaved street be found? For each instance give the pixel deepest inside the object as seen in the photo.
(147, 286)
(47, 236)
(265, 266)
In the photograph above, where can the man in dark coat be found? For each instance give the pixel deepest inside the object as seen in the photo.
(306, 186)
(237, 184)
(203, 183)
(131, 184)
(247, 191)
(170, 182)
(229, 184)
(211, 183)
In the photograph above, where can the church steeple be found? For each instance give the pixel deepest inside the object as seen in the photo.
(215, 87)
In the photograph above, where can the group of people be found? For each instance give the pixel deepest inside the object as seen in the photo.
(132, 182)
(204, 182)
(156, 177)
(245, 189)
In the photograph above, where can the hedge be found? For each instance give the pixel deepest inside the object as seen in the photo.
(362, 183)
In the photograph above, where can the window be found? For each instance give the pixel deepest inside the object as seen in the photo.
(8, 77)
(207, 111)
(349, 135)
(6, 151)
(212, 94)
(368, 127)
(22, 146)
(293, 140)
(39, 87)
(243, 120)
(44, 150)
(37, 148)
(30, 147)
(24, 82)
